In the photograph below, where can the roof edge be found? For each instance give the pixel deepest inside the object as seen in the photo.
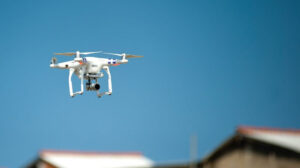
(251, 129)
(73, 152)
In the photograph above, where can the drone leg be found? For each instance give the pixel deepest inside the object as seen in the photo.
(81, 83)
(109, 80)
(70, 82)
(109, 83)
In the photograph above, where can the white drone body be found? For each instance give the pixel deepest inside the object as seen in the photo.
(89, 68)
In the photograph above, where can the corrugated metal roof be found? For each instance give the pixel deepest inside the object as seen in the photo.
(71, 159)
(285, 138)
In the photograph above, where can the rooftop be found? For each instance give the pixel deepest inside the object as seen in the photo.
(286, 138)
(79, 159)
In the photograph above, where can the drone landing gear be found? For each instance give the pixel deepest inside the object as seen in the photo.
(89, 85)
(95, 87)
(102, 94)
(106, 69)
(72, 94)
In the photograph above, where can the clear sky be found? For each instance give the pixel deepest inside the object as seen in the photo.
(208, 67)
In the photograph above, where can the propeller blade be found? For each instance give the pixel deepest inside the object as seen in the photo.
(87, 53)
(66, 53)
(133, 56)
(112, 54)
(121, 55)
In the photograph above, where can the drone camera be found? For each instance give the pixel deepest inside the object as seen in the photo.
(92, 86)
(97, 86)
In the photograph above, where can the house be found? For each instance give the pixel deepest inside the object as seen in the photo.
(76, 159)
(252, 147)
(257, 147)
(248, 147)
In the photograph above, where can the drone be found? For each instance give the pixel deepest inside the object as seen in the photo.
(89, 68)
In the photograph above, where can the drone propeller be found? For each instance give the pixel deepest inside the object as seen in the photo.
(133, 56)
(74, 53)
(123, 55)
(112, 54)
(66, 53)
(87, 53)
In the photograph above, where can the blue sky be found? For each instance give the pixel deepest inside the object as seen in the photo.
(208, 67)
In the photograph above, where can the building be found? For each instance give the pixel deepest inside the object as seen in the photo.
(257, 147)
(252, 147)
(248, 147)
(72, 159)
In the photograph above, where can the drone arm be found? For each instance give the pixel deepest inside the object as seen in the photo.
(122, 61)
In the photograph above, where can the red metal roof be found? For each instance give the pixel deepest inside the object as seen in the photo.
(250, 130)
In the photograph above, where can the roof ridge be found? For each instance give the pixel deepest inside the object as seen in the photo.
(251, 129)
(73, 152)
